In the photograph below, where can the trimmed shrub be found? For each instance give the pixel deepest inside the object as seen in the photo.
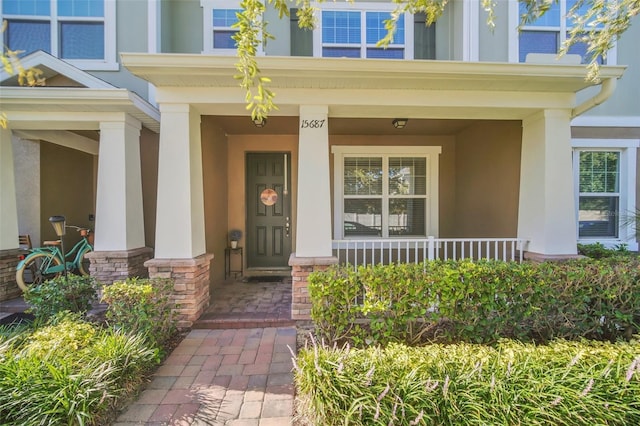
(142, 306)
(562, 383)
(477, 302)
(69, 372)
(599, 251)
(76, 293)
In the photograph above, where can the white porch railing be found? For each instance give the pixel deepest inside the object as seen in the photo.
(374, 251)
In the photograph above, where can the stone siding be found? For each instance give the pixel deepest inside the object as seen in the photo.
(301, 267)
(191, 284)
(8, 262)
(110, 266)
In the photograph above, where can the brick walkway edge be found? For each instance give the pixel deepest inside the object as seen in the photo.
(239, 377)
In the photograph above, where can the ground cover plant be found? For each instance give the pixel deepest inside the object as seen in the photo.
(510, 383)
(474, 343)
(64, 370)
(69, 372)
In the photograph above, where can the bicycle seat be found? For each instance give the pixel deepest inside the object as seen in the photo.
(51, 243)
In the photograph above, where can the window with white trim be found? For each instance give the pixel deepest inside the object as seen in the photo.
(81, 32)
(219, 16)
(385, 192)
(344, 32)
(599, 194)
(604, 175)
(549, 32)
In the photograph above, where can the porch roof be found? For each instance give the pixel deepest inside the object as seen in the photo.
(197, 70)
(73, 108)
(370, 88)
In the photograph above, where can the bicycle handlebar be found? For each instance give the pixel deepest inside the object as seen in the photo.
(77, 228)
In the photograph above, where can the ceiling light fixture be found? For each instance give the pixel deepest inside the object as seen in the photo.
(399, 123)
(259, 122)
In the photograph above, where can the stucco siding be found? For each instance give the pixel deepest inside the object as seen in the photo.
(215, 171)
(66, 188)
(149, 145)
(488, 179)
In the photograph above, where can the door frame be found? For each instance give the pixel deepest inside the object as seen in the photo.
(288, 209)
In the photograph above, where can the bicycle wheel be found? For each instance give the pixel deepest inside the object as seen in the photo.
(30, 273)
(83, 263)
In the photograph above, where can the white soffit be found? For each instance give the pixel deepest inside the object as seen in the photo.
(186, 70)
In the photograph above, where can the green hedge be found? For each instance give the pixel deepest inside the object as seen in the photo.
(69, 372)
(562, 383)
(478, 301)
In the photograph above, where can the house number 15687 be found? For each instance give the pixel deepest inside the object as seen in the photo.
(312, 124)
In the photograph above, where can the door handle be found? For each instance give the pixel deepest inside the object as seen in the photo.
(287, 226)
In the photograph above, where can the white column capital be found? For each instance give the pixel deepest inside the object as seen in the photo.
(561, 114)
(314, 109)
(175, 108)
(126, 120)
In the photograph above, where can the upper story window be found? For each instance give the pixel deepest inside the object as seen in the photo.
(344, 32)
(219, 17)
(223, 19)
(81, 32)
(550, 31)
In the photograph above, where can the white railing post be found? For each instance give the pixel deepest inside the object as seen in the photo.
(399, 250)
(432, 247)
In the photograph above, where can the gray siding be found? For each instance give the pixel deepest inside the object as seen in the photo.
(131, 36)
(279, 28)
(625, 100)
(494, 45)
(181, 26)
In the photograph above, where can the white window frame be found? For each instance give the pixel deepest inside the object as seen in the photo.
(363, 8)
(109, 63)
(208, 29)
(430, 153)
(514, 36)
(628, 149)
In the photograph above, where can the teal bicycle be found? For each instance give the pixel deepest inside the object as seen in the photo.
(45, 263)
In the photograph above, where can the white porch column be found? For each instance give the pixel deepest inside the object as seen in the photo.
(313, 238)
(180, 206)
(546, 215)
(8, 206)
(119, 213)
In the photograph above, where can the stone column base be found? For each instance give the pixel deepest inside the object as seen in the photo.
(8, 262)
(110, 266)
(301, 267)
(191, 284)
(539, 257)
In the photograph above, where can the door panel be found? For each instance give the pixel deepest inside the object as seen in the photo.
(268, 238)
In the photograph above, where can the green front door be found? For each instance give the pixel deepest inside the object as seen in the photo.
(268, 210)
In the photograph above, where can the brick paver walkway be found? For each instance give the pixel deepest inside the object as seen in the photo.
(240, 377)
